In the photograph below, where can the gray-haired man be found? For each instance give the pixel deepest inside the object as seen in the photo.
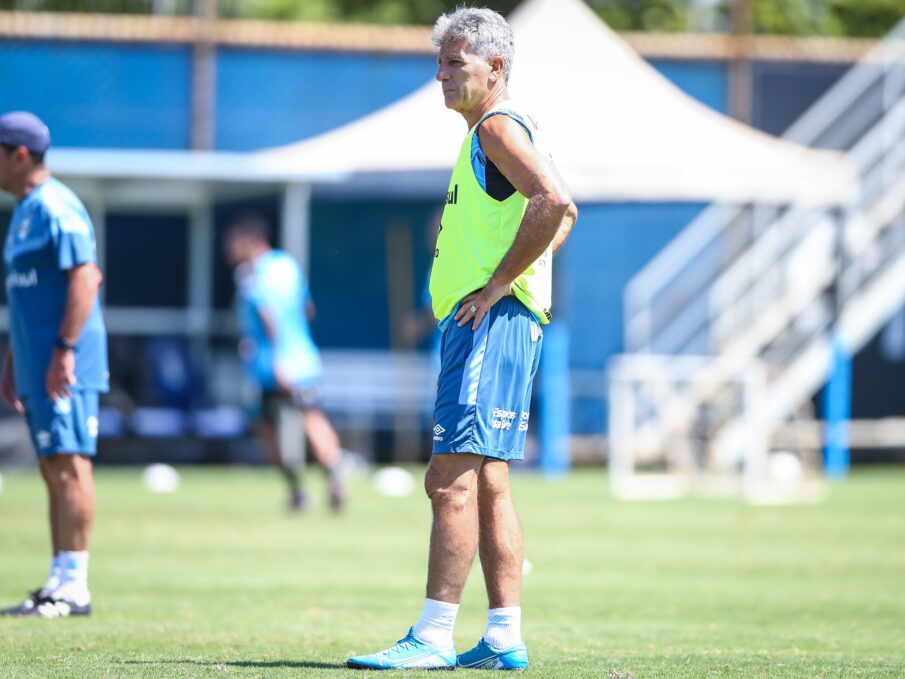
(507, 211)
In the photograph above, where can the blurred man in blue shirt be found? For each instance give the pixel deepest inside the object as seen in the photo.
(272, 308)
(57, 362)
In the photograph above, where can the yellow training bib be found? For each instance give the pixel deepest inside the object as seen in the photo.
(477, 230)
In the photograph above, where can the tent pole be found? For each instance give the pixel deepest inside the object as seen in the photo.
(555, 402)
(204, 77)
(740, 67)
(837, 395)
(96, 205)
(201, 262)
(295, 223)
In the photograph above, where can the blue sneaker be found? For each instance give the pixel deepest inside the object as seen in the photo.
(486, 657)
(406, 654)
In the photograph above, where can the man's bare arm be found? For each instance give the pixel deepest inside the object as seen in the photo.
(84, 282)
(508, 145)
(8, 384)
(270, 328)
(565, 228)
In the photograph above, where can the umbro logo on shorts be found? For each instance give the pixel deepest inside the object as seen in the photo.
(437, 431)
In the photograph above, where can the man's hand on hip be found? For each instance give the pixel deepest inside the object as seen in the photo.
(60, 373)
(476, 304)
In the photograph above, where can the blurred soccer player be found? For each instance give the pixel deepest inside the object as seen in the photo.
(57, 363)
(273, 306)
(507, 211)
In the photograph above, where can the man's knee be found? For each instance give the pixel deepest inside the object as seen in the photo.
(455, 497)
(44, 467)
(449, 484)
(437, 481)
(64, 470)
(493, 483)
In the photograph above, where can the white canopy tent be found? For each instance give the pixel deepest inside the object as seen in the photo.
(618, 130)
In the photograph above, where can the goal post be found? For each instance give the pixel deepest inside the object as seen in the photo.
(682, 425)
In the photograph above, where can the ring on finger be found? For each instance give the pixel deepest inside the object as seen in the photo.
(473, 309)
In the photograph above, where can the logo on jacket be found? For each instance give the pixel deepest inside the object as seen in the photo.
(24, 229)
(19, 279)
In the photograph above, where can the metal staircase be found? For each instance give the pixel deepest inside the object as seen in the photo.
(765, 288)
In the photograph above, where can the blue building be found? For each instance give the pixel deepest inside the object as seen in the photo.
(110, 91)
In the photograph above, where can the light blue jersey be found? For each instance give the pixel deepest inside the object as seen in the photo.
(50, 233)
(274, 284)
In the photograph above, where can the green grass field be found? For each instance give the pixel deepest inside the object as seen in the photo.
(217, 581)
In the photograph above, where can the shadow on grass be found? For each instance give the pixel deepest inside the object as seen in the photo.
(243, 663)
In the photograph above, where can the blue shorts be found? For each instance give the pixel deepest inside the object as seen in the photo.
(484, 387)
(67, 425)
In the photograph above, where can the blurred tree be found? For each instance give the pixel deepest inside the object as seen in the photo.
(371, 11)
(854, 18)
(643, 15)
(867, 18)
(785, 17)
(101, 6)
(281, 10)
(794, 17)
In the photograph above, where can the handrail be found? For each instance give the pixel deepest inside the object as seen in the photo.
(670, 263)
(833, 103)
(747, 276)
(806, 275)
(667, 263)
(868, 140)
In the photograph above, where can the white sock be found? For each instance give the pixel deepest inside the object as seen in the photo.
(435, 626)
(504, 627)
(53, 579)
(74, 578)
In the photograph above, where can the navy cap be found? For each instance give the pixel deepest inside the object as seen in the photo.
(21, 128)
